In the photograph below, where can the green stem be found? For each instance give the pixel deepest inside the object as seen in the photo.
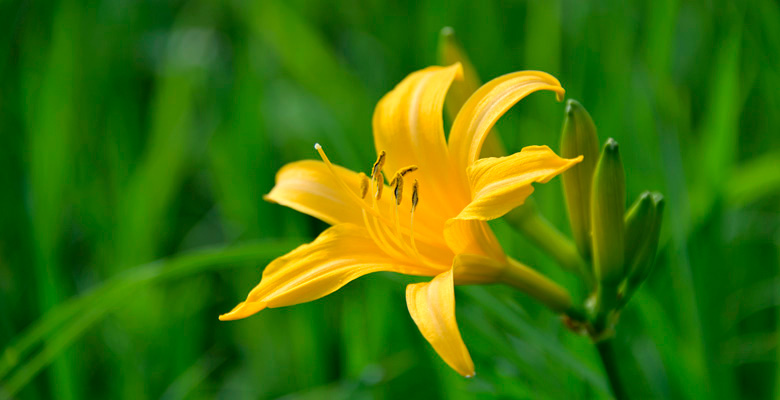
(528, 221)
(607, 353)
(536, 285)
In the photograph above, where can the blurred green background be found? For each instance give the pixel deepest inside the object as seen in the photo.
(139, 131)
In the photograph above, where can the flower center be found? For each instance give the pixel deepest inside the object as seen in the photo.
(385, 231)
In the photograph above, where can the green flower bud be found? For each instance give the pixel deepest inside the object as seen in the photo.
(578, 137)
(638, 221)
(608, 205)
(450, 52)
(641, 262)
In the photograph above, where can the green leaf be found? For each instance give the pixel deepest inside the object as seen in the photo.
(65, 323)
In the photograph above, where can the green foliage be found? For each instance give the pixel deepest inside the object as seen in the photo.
(139, 131)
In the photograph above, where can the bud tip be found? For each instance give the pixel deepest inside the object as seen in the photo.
(571, 104)
(658, 198)
(611, 145)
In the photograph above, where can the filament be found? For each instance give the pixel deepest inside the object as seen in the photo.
(378, 226)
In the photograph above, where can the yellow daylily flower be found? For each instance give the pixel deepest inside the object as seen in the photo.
(440, 231)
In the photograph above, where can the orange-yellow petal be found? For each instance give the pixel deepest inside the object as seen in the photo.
(309, 187)
(432, 306)
(339, 255)
(486, 106)
(498, 185)
(472, 237)
(408, 126)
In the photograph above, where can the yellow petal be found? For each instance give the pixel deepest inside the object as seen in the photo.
(309, 187)
(339, 255)
(499, 185)
(486, 106)
(432, 306)
(472, 237)
(408, 126)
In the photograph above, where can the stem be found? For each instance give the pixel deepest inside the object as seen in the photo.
(606, 350)
(536, 285)
(528, 221)
(606, 303)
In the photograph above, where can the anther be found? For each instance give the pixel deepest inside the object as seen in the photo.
(398, 182)
(405, 170)
(379, 164)
(379, 181)
(415, 196)
(363, 185)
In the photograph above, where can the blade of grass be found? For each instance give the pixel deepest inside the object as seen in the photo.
(50, 124)
(720, 128)
(306, 56)
(754, 179)
(501, 312)
(67, 322)
(153, 184)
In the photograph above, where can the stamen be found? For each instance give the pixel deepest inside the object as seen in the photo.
(398, 182)
(379, 164)
(341, 183)
(405, 170)
(415, 195)
(411, 250)
(379, 182)
(381, 230)
(363, 185)
(415, 199)
(378, 237)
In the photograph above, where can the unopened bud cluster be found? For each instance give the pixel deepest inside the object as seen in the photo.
(618, 245)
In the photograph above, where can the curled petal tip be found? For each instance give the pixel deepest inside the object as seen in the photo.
(243, 310)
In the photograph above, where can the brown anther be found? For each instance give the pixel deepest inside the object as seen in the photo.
(379, 164)
(415, 195)
(363, 185)
(379, 181)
